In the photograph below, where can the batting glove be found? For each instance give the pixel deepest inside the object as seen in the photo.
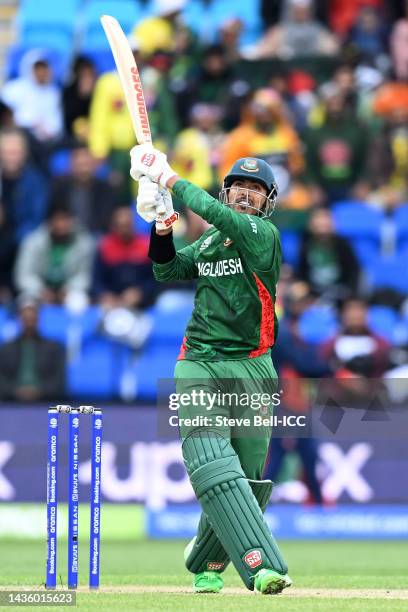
(149, 200)
(165, 219)
(147, 161)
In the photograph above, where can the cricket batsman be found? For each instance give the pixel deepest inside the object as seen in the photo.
(227, 344)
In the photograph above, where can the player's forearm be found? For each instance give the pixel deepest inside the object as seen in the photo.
(198, 200)
(167, 264)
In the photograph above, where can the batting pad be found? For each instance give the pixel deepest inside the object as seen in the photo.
(207, 552)
(232, 510)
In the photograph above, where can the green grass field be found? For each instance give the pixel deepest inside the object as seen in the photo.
(327, 575)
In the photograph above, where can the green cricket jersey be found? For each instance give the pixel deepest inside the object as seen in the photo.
(236, 264)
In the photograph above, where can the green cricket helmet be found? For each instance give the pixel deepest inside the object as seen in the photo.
(257, 170)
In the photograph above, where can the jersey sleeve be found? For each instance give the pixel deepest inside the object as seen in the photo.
(181, 267)
(252, 234)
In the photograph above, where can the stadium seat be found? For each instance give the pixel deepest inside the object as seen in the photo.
(361, 224)
(140, 225)
(170, 321)
(9, 326)
(290, 247)
(366, 250)
(60, 162)
(41, 22)
(194, 14)
(389, 272)
(353, 218)
(96, 371)
(57, 323)
(401, 223)
(127, 12)
(383, 321)
(102, 59)
(155, 363)
(318, 324)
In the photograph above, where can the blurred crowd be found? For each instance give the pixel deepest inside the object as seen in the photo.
(322, 95)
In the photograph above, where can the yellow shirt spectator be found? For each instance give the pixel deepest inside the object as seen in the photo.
(110, 126)
(154, 33)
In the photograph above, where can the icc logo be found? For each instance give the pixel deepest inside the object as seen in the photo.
(98, 423)
(53, 423)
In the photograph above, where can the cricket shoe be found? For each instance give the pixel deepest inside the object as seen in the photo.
(208, 582)
(269, 582)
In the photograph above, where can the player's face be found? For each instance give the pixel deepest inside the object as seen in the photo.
(247, 196)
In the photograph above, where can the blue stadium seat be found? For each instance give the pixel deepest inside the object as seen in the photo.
(60, 162)
(51, 23)
(170, 323)
(353, 218)
(401, 222)
(140, 225)
(127, 12)
(56, 323)
(194, 14)
(366, 250)
(290, 246)
(96, 372)
(155, 363)
(318, 324)
(102, 59)
(361, 224)
(383, 321)
(389, 272)
(9, 326)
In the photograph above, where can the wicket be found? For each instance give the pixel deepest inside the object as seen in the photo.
(73, 494)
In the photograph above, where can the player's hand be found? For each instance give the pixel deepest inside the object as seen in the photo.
(165, 219)
(147, 161)
(149, 200)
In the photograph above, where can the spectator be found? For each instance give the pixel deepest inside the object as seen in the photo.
(91, 200)
(336, 149)
(399, 46)
(344, 78)
(344, 13)
(367, 36)
(229, 34)
(6, 116)
(356, 350)
(31, 367)
(122, 270)
(23, 189)
(111, 133)
(197, 149)
(327, 262)
(54, 262)
(213, 80)
(7, 257)
(159, 32)
(77, 96)
(391, 98)
(387, 166)
(34, 99)
(266, 134)
(298, 34)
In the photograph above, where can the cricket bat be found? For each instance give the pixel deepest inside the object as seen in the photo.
(129, 78)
